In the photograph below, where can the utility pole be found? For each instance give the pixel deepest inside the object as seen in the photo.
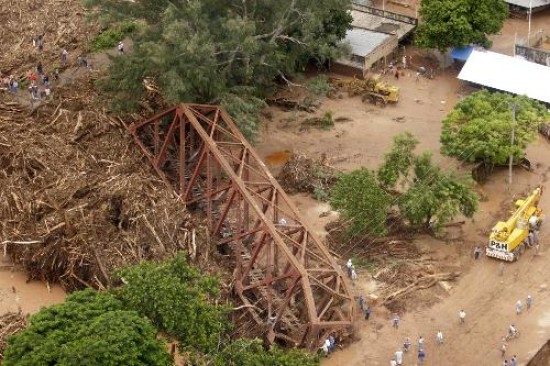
(511, 161)
(529, 29)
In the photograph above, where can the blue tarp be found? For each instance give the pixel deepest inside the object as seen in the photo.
(462, 54)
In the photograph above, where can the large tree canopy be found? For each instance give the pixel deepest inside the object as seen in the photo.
(88, 329)
(479, 128)
(423, 191)
(227, 52)
(435, 195)
(457, 23)
(361, 202)
(178, 299)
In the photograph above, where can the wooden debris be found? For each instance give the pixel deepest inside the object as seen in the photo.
(10, 324)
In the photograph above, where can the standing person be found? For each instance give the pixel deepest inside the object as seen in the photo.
(349, 266)
(39, 69)
(529, 302)
(420, 343)
(505, 363)
(462, 316)
(396, 73)
(519, 307)
(47, 92)
(353, 276)
(514, 361)
(503, 348)
(40, 42)
(367, 313)
(531, 239)
(362, 303)
(325, 348)
(327, 345)
(439, 337)
(407, 344)
(477, 252)
(399, 357)
(64, 57)
(421, 356)
(332, 342)
(15, 86)
(395, 321)
(121, 47)
(404, 61)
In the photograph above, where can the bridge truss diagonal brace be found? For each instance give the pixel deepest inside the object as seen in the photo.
(292, 286)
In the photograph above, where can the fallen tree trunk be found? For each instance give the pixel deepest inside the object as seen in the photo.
(420, 284)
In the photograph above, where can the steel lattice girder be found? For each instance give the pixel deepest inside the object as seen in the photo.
(285, 277)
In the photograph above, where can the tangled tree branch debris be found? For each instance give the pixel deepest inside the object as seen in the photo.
(395, 262)
(10, 324)
(304, 174)
(77, 198)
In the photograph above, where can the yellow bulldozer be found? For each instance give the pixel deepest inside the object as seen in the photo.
(371, 89)
(508, 239)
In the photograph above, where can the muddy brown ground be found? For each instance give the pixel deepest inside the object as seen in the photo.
(487, 298)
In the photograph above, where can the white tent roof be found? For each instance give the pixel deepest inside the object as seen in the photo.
(510, 74)
(526, 3)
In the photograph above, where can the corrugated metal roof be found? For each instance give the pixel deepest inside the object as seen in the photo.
(525, 3)
(364, 41)
(510, 74)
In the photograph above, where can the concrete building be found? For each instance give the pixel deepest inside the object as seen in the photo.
(374, 38)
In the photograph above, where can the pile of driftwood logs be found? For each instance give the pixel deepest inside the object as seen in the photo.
(77, 198)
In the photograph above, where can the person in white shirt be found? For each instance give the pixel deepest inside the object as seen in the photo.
(439, 337)
(399, 357)
(349, 266)
(462, 316)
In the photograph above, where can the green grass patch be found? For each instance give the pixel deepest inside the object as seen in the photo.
(110, 37)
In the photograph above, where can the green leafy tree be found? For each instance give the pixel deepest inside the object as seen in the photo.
(89, 328)
(398, 161)
(178, 299)
(479, 128)
(361, 201)
(206, 50)
(436, 195)
(245, 352)
(452, 23)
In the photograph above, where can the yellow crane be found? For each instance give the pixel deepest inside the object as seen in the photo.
(508, 239)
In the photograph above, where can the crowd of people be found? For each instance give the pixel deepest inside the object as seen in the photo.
(39, 79)
(397, 359)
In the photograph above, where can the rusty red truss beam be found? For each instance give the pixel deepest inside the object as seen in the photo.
(292, 287)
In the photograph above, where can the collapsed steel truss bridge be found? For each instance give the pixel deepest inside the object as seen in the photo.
(290, 286)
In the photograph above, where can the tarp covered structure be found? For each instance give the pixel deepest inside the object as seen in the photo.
(461, 54)
(529, 3)
(510, 74)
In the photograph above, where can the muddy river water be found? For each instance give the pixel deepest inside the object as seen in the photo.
(16, 293)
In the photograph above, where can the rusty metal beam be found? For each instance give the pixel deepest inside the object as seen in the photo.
(199, 152)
